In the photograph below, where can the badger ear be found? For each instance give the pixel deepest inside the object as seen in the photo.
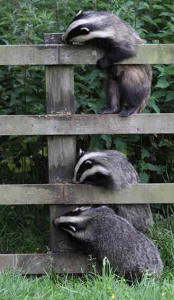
(79, 13)
(84, 30)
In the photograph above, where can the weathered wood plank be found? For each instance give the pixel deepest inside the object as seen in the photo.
(44, 263)
(53, 38)
(70, 124)
(61, 150)
(78, 194)
(71, 55)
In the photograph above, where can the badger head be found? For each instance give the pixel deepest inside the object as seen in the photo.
(76, 222)
(92, 169)
(83, 222)
(87, 26)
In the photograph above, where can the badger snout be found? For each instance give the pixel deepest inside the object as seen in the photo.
(74, 180)
(64, 38)
(60, 221)
(56, 222)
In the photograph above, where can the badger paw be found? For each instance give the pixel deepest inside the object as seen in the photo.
(103, 63)
(110, 111)
(127, 112)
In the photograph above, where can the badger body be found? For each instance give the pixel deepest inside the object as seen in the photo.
(126, 84)
(102, 233)
(111, 170)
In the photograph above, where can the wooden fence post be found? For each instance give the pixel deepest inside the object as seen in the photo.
(61, 149)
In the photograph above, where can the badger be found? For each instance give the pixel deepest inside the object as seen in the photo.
(107, 168)
(102, 233)
(128, 85)
(111, 170)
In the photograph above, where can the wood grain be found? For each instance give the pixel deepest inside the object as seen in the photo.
(71, 124)
(54, 54)
(61, 150)
(44, 263)
(79, 194)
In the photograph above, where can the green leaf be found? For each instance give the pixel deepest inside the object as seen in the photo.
(162, 83)
(144, 153)
(107, 139)
(170, 96)
(144, 177)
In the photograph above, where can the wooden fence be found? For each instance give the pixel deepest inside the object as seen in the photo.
(61, 126)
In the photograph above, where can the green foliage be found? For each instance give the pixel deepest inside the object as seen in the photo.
(24, 229)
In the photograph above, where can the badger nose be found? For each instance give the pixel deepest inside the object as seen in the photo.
(56, 222)
(63, 38)
(74, 180)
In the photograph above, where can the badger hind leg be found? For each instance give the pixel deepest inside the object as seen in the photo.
(112, 96)
(135, 88)
(133, 98)
(129, 110)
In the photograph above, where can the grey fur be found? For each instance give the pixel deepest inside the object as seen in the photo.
(121, 171)
(121, 174)
(104, 234)
(127, 84)
(139, 215)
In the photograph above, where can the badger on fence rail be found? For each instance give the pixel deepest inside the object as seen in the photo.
(129, 84)
(111, 170)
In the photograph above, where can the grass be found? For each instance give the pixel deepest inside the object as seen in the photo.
(14, 286)
(20, 226)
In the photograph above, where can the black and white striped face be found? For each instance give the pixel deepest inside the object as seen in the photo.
(89, 169)
(75, 222)
(80, 223)
(87, 26)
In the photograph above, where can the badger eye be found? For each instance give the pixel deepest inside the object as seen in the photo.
(76, 210)
(84, 30)
(88, 163)
(72, 228)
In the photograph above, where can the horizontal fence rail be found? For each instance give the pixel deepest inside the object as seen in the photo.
(45, 263)
(71, 124)
(78, 194)
(67, 125)
(73, 55)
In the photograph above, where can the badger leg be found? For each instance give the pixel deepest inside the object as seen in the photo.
(135, 88)
(112, 96)
(133, 97)
(103, 63)
(114, 54)
(129, 111)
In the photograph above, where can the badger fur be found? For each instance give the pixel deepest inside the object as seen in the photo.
(104, 234)
(111, 169)
(128, 84)
(107, 168)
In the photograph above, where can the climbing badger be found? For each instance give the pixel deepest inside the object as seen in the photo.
(111, 170)
(128, 84)
(102, 233)
(107, 168)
